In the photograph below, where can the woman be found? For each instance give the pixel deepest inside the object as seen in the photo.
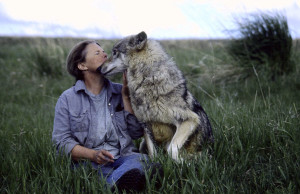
(94, 120)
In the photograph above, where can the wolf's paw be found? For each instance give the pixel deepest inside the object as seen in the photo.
(173, 152)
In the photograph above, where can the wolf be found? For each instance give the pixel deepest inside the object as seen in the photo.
(159, 97)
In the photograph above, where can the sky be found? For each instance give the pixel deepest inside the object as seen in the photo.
(160, 19)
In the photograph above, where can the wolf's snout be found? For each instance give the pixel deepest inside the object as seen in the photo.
(99, 69)
(104, 70)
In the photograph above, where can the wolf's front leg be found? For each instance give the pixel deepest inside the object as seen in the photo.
(184, 130)
(149, 142)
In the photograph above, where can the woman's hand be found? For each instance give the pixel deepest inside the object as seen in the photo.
(126, 94)
(98, 156)
(102, 157)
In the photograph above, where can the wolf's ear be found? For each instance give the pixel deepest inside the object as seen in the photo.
(142, 36)
(138, 41)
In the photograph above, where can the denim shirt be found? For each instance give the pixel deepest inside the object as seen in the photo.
(73, 120)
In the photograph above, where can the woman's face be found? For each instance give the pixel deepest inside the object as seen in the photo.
(95, 57)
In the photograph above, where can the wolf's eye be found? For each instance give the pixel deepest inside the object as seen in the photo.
(114, 52)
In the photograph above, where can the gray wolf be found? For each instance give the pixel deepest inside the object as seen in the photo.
(159, 97)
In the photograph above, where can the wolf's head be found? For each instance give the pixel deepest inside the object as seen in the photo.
(118, 62)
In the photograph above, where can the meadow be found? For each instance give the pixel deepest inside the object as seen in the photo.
(255, 122)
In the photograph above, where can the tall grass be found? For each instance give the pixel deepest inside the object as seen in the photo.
(255, 123)
(265, 42)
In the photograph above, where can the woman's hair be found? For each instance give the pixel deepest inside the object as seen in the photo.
(77, 55)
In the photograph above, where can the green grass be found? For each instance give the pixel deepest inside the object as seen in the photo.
(255, 122)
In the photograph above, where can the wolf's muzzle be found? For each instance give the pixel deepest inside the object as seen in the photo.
(99, 69)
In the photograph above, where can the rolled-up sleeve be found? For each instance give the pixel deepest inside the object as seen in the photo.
(135, 128)
(62, 136)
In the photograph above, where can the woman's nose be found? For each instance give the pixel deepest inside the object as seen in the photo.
(105, 55)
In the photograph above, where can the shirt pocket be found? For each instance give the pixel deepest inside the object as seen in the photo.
(79, 122)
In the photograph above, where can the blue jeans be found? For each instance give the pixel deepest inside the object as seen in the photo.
(114, 170)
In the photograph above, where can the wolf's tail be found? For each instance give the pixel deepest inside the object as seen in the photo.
(205, 126)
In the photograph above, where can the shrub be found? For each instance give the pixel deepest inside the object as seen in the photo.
(265, 42)
(47, 58)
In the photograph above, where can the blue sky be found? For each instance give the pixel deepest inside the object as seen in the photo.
(161, 19)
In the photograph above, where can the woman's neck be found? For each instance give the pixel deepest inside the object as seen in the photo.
(94, 83)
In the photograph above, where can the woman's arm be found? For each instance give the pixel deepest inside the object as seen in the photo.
(125, 95)
(134, 127)
(62, 136)
(80, 152)
(98, 156)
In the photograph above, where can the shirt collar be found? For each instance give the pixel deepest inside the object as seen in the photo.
(79, 85)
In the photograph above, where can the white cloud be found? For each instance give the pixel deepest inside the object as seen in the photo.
(132, 16)
(79, 14)
(159, 18)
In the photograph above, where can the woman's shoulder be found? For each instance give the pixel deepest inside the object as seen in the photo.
(68, 94)
(115, 87)
(70, 97)
(75, 89)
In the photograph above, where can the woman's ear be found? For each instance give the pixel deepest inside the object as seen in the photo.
(82, 67)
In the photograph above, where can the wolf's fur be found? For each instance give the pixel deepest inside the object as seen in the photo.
(159, 96)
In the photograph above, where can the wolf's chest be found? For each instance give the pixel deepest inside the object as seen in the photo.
(144, 105)
(144, 93)
(150, 96)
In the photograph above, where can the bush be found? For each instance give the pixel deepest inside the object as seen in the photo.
(264, 42)
(47, 58)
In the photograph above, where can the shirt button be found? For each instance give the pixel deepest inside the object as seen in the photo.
(111, 114)
(109, 104)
